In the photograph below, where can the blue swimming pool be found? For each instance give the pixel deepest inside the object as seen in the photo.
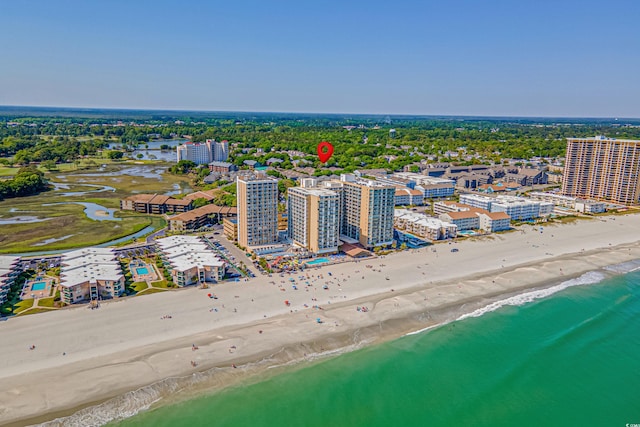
(39, 286)
(142, 271)
(318, 261)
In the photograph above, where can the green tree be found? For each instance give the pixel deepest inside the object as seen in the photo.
(114, 155)
(182, 167)
(284, 184)
(199, 202)
(49, 165)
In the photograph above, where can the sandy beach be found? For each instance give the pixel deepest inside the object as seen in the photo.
(85, 356)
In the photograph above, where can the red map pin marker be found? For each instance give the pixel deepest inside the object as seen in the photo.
(325, 151)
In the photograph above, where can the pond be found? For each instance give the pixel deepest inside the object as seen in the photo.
(93, 211)
(52, 240)
(24, 219)
(179, 188)
(153, 145)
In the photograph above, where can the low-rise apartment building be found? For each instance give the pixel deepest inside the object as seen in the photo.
(590, 206)
(569, 202)
(222, 167)
(406, 196)
(423, 226)
(90, 274)
(230, 228)
(10, 268)
(518, 208)
(477, 201)
(462, 215)
(199, 217)
(190, 261)
(155, 204)
(464, 220)
(492, 222)
(431, 187)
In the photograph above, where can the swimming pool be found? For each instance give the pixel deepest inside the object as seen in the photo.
(467, 233)
(39, 286)
(318, 261)
(142, 271)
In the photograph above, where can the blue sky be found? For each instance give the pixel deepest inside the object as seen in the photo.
(455, 57)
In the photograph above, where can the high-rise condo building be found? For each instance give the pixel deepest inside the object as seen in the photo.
(366, 210)
(257, 211)
(203, 153)
(602, 168)
(314, 217)
(220, 150)
(198, 152)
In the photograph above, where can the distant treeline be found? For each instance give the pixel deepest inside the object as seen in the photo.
(31, 148)
(360, 141)
(26, 182)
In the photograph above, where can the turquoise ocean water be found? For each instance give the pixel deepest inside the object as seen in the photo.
(572, 358)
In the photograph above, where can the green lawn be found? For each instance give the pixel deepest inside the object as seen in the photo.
(161, 284)
(46, 302)
(22, 306)
(139, 286)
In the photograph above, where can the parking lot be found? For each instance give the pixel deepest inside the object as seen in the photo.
(230, 252)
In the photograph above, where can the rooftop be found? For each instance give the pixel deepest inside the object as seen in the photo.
(204, 210)
(187, 252)
(89, 264)
(497, 215)
(7, 261)
(421, 219)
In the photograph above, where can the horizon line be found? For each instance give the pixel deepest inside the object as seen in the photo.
(179, 110)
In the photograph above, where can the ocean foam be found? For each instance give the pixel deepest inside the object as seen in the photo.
(589, 278)
(419, 331)
(118, 408)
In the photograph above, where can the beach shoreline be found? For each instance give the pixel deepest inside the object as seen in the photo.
(457, 283)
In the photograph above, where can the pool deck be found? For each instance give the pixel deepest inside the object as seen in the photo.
(28, 292)
(151, 276)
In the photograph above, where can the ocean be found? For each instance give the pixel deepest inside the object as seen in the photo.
(539, 359)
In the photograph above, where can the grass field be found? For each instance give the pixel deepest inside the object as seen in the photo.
(66, 226)
(8, 171)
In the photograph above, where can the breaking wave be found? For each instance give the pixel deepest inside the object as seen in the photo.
(589, 278)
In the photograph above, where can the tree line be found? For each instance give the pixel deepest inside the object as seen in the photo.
(28, 181)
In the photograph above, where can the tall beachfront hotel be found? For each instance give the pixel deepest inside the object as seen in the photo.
(367, 211)
(314, 217)
(602, 168)
(257, 211)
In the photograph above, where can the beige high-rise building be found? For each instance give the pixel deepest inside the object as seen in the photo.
(366, 210)
(314, 219)
(257, 211)
(602, 168)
